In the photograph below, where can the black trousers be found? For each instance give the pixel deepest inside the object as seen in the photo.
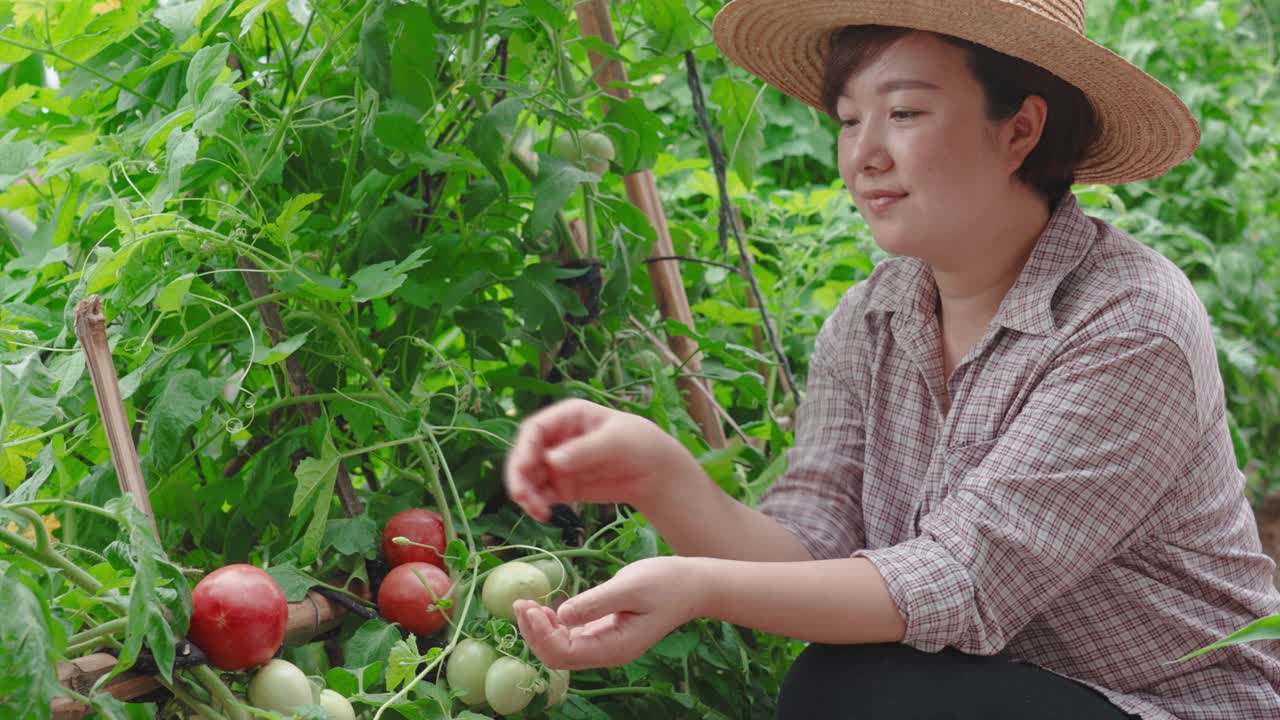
(897, 682)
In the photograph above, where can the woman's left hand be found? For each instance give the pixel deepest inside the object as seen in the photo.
(618, 621)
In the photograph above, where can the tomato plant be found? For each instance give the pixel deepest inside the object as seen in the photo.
(238, 616)
(424, 527)
(409, 596)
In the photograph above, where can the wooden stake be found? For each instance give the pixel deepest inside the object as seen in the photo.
(642, 191)
(91, 329)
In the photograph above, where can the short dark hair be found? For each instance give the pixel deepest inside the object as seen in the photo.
(1072, 125)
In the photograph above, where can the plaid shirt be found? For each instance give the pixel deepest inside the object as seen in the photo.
(1079, 507)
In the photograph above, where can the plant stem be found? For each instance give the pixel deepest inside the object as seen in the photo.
(42, 553)
(220, 692)
(85, 639)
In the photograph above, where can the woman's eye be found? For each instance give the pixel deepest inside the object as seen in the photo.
(848, 123)
(903, 114)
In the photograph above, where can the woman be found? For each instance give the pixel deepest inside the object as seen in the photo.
(1013, 493)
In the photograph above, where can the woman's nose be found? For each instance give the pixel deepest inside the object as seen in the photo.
(867, 151)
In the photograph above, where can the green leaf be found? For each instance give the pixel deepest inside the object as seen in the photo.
(13, 469)
(354, 536)
(1267, 628)
(670, 24)
(147, 610)
(542, 302)
(181, 404)
(636, 133)
(315, 480)
(743, 125)
(554, 184)
(27, 676)
(180, 152)
(384, 278)
(375, 51)
(26, 391)
(371, 644)
(281, 350)
(490, 139)
(16, 158)
(170, 299)
(292, 216)
(293, 581)
(402, 663)
(676, 645)
(205, 69)
(413, 61)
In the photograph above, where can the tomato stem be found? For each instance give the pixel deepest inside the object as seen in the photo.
(221, 693)
(86, 639)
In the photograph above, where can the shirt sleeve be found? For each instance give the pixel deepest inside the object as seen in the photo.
(818, 497)
(1089, 456)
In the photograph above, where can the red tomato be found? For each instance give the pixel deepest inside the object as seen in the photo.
(405, 600)
(238, 616)
(420, 526)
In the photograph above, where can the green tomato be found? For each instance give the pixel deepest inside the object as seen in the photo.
(468, 663)
(559, 686)
(510, 582)
(280, 686)
(508, 685)
(597, 152)
(552, 568)
(338, 707)
(565, 147)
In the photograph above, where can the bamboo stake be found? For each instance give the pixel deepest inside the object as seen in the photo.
(91, 329)
(642, 191)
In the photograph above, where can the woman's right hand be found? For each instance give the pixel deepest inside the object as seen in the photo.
(578, 451)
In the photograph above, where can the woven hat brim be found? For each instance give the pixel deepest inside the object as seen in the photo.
(1146, 128)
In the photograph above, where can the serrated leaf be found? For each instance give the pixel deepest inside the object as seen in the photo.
(315, 480)
(27, 676)
(371, 644)
(206, 67)
(554, 184)
(292, 216)
(413, 62)
(181, 148)
(13, 469)
(17, 157)
(147, 610)
(26, 391)
(354, 536)
(402, 663)
(293, 581)
(743, 125)
(490, 138)
(384, 278)
(670, 24)
(180, 405)
(279, 351)
(170, 299)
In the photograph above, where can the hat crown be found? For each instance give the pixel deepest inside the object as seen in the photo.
(1067, 12)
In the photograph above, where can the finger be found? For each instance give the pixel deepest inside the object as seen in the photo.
(612, 596)
(528, 479)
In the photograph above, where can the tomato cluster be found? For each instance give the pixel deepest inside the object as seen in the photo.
(239, 616)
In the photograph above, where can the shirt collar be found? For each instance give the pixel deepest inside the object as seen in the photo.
(907, 287)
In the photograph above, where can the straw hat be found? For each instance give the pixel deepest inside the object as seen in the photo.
(1146, 129)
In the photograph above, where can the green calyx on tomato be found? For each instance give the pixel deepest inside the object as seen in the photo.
(468, 663)
(510, 582)
(408, 597)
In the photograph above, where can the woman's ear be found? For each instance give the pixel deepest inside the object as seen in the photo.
(1023, 131)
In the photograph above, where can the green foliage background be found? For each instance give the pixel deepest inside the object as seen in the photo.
(358, 154)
